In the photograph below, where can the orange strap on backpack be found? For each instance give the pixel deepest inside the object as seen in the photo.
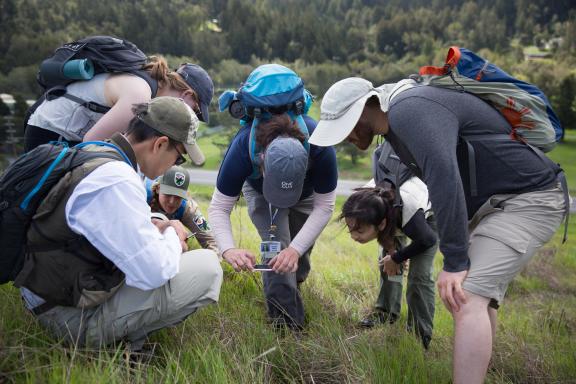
(452, 60)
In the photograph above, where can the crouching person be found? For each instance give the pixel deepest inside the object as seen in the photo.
(169, 196)
(97, 270)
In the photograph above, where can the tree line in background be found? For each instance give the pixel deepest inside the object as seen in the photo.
(323, 40)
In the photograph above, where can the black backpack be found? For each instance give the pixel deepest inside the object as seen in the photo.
(23, 186)
(106, 54)
(389, 171)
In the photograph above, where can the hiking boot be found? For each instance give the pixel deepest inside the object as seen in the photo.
(426, 342)
(374, 318)
(143, 355)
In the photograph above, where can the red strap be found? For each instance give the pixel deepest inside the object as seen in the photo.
(452, 60)
(431, 70)
(453, 57)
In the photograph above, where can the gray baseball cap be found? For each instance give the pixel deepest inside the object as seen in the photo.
(285, 164)
(173, 118)
(175, 182)
(199, 80)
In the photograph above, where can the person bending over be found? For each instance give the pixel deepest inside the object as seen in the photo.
(62, 119)
(371, 214)
(290, 200)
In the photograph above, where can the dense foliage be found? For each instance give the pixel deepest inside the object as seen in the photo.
(323, 39)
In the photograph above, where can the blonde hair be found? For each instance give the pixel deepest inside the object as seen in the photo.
(157, 66)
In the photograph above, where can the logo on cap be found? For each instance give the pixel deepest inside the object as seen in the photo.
(286, 185)
(179, 179)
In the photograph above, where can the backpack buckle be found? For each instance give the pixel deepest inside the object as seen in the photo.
(55, 92)
(299, 107)
(257, 112)
(95, 107)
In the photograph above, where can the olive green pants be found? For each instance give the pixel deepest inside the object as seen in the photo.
(420, 292)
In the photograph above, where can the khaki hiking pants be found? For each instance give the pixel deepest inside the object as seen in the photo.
(132, 314)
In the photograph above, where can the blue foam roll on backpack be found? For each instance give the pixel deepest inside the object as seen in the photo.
(79, 69)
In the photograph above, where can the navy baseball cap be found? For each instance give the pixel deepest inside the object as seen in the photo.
(199, 80)
(285, 164)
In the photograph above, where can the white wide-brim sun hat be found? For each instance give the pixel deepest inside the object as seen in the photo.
(342, 106)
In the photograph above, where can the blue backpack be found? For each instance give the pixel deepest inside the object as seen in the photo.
(270, 89)
(23, 187)
(523, 105)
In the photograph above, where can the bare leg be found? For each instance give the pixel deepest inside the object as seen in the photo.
(493, 321)
(472, 340)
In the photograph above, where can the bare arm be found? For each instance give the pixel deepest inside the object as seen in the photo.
(121, 92)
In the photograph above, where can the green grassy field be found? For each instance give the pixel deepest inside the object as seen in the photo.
(232, 343)
(361, 170)
(565, 153)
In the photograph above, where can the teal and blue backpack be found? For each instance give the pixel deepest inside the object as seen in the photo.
(270, 89)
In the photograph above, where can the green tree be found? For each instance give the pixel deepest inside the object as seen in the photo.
(350, 150)
(565, 100)
(4, 109)
(20, 109)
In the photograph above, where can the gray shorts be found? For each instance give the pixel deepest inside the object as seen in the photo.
(505, 234)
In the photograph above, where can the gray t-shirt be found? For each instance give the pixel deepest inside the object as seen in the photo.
(425, 124)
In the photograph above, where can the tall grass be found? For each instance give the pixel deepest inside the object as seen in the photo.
(232, 343)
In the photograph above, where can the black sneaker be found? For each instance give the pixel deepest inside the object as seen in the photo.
(374, 318)
(142, 356)
(426, 341)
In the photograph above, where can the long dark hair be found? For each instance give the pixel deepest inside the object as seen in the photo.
(371, 206)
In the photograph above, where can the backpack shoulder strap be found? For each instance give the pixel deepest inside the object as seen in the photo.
(149, 193)
(179, 214)
(390, 171)
(145, 75)
(60, 91)
(254, 150)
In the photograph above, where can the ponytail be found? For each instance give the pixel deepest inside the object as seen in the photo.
(158, 68)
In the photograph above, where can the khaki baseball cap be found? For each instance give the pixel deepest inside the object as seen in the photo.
(172, 117)
(175, 182)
